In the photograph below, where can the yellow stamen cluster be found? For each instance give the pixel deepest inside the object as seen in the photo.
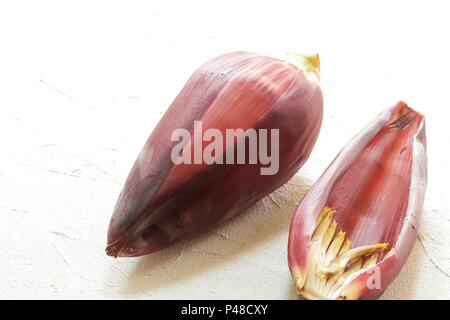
(333, 263)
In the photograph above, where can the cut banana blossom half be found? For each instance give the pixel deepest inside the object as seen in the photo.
(354, 230)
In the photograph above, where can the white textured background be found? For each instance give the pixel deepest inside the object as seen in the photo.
(83, 83)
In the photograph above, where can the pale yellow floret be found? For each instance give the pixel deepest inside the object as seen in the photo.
(332, 260)
(310, 64)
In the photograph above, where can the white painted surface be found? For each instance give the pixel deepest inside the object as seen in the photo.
(83, 84)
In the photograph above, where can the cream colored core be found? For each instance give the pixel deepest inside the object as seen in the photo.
(310, 64)
(333, 263)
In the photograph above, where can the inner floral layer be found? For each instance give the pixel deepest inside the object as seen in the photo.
(333, 261)
(371, 196)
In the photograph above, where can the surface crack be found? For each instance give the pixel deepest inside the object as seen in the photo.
(274, 202)
(430, 258)
(56, 89)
